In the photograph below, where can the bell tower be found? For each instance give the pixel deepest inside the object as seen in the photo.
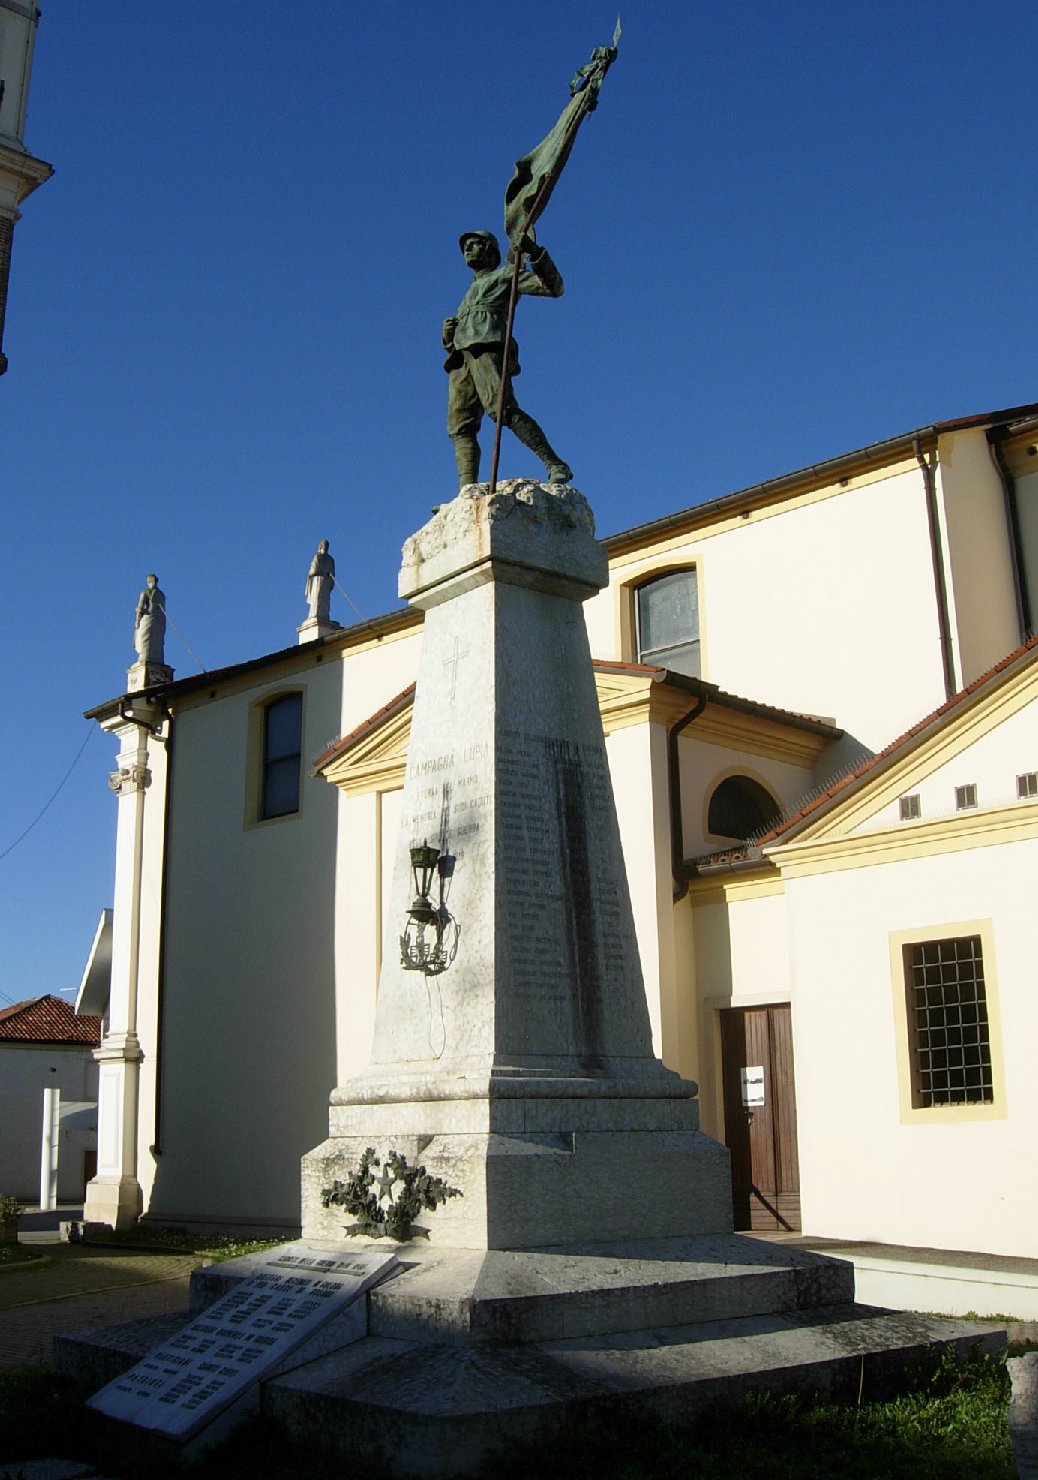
(20, 172)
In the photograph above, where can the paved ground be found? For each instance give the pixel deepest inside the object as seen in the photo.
(81, 1286)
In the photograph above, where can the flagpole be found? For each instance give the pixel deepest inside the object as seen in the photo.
(513, 299)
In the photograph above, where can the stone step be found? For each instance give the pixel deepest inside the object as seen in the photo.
(513, 1297)
(100, 1356)
(438, 1410)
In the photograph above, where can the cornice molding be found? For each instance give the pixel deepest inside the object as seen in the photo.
(1016, 823)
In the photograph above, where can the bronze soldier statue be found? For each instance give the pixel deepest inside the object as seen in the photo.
(474, 340)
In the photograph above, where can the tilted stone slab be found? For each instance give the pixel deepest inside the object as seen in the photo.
(296, 1304)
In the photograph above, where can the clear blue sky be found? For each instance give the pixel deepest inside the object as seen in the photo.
(788, 231)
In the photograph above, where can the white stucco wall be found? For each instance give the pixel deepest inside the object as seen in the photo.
(824, 605)
(249, 1026)
(637, 759)
(947, 1182)
(704, 766)
(992, 763)
(150, 941)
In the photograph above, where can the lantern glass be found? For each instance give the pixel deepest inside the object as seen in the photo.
(423, 860)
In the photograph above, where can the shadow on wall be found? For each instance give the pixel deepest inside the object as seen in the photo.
(248, 1037)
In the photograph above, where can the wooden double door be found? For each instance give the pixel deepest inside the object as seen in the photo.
(760, 1116)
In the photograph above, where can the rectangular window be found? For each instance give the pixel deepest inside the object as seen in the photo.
(667, 621)
(965, 797)
(1027, 784)
(282, 754)
(949, 1037)
(910, 807)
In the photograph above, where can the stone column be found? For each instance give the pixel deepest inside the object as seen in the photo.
(114, 1194)
(523, 1072)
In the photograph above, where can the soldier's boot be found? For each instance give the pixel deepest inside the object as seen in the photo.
(466, 455)
(531, 436)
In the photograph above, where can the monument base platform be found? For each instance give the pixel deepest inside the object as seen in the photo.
(469, 1351)
(540, 1159)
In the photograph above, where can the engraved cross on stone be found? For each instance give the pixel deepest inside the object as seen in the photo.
(452, 663)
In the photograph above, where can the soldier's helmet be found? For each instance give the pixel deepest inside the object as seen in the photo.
(486, 236)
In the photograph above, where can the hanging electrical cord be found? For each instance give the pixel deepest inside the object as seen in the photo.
(183, 642)
(350, 599)
(51, 798)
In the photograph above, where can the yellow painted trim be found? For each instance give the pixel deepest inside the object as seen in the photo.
(702, 527)
(1015, 823)
(735, 888)
(626, 699)
(378, 762)
(946, 1114)
(1020, 461)
(625, 623)
(948, 741)
(756, 734)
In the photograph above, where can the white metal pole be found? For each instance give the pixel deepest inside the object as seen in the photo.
(49, 1152)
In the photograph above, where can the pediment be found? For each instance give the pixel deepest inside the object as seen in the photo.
(985, 736)
(374, 756)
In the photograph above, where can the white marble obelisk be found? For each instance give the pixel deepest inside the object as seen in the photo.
(524, 1072)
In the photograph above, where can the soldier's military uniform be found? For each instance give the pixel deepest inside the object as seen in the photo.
(475, 345)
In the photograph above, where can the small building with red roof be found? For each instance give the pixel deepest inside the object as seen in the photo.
(45, 1045)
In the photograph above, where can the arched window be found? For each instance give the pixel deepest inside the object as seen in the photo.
(282, 753)
(740, 807)
(667, 622)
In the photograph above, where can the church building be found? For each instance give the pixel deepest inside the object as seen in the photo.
(820, 703)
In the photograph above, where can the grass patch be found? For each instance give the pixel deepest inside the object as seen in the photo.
(214, 1246)
(952, 1425)
(42, 1415)
(11, 1254)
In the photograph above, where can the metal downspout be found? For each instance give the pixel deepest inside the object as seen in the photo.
(1023, 601)
(928, 468)
(677, 839)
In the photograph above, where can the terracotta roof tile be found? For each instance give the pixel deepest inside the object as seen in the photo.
(47, 1020)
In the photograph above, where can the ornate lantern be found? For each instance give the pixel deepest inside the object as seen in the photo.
(430, 939)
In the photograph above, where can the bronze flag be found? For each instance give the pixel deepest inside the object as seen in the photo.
(537, 173)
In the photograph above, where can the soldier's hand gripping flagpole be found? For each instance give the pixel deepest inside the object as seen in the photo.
(530, 188)
(513, 299)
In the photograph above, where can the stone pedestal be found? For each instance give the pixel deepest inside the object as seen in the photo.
(523, 1073)
(316, 627)
(145, 675)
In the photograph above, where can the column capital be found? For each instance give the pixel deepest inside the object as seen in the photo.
(130, 778)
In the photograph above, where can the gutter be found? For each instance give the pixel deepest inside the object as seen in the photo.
(928, 468)
(678, 867)
(1024, 615)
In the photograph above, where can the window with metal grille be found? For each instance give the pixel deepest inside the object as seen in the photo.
(965, 797)
(948, 1022)
(1027, 784)
(910, 807)
(667, 622)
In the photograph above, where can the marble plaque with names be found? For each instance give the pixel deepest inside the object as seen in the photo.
(294, 1291)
